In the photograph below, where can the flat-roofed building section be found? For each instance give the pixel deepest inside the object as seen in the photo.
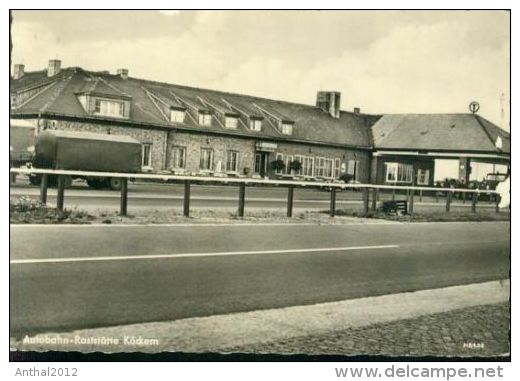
(407, 145)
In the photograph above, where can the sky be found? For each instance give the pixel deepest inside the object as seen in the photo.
(381, 61)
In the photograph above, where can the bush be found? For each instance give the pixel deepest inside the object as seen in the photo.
(26, 210)
(25, 204)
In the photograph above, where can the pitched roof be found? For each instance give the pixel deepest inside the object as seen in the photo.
(438, 132)
(311, 123)
(97, 85)
(434, 132)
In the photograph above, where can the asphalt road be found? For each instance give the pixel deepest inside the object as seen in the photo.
(153, 196)
(65, 278)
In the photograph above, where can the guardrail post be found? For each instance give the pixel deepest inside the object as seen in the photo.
(43, 188)
(393, 194)
(124, 197)
(241, 199)
(186, 198)
(436, 196)
(448, 200)
(463, 197)
(332, 210)
(374, 199)
(408, 195)
(290, 196)
(474, 202)
(497, 203)
(365, 200)
(410, 207)
(420, 195)
(61, 193)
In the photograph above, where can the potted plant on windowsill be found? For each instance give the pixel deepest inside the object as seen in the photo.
(295, 166)
(278, 165)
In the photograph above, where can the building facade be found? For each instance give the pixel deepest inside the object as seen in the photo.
(187, 130)
(195, 131)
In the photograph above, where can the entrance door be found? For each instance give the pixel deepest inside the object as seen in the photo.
(261, 161)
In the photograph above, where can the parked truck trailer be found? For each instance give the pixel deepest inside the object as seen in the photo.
(85, 151)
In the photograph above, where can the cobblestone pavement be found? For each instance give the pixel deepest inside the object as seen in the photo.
(475, 331)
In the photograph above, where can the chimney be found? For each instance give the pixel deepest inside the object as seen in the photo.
(54, 68)
(357, 110)
(18, 71)
(123, 73)
(329, 101)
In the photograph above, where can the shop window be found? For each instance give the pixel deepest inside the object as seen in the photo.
(399, 173)
(308, 166)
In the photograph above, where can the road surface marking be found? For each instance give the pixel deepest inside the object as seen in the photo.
(192, 255)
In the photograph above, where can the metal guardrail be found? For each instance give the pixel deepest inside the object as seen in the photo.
(242, 183)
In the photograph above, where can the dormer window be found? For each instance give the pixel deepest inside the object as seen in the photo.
(231, 122)
(204, 119)
(177, 116)
(287, 128)
(255, 124)
(107, 107)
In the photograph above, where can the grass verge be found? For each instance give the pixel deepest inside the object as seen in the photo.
(24, 210)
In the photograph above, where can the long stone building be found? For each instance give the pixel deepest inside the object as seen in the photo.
(186, 130)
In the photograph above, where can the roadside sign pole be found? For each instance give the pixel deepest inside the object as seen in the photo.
(124, 197)
(43, 188)
(61, 193)
(332, 202)
(290, 196)
(448, 200)
(186, 198)
(241, 199)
